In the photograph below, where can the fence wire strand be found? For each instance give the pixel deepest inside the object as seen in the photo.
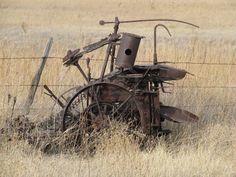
(99, 59)
(182, 106)
(72, 85)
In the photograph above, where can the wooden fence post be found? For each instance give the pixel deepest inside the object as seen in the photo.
(36, 79)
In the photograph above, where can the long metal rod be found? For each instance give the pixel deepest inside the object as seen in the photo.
(52, 95)
(113, 50)
(101, 22)
(96, 100)
(81, 71)
(105, 61)
(123, 103)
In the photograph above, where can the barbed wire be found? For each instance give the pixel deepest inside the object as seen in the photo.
(74, 85)
(210, 105)
(28, 58)
(99, 59)
(180, 106)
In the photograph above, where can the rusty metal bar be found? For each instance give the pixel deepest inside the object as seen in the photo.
(105, 61)
(81, 71)
(52, 95)
(113, 50)
(102, 22)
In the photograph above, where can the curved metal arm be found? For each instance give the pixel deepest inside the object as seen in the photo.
(102, 22)
(155, 42)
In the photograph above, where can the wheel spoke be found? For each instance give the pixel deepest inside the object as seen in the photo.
(96, 99)
(122, 104)
(93, 116)
(82, 103)
(105, 109)
(94, 107)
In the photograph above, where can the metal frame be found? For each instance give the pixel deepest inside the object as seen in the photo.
(143, 83)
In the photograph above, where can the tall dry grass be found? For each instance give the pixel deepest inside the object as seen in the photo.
(203, 149)
(206, 151)
(189, 93)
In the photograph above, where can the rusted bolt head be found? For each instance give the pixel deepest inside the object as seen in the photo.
(101, 22)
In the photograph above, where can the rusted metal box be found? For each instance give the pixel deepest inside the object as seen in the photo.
(128, 50)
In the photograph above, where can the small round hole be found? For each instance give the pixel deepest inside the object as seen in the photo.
(128, 51)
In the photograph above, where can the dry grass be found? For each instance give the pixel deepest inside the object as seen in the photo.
(204, 149)
(13, 72)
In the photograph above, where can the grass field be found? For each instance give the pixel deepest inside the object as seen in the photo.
(203, 149)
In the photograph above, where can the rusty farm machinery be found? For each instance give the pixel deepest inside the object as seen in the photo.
(128, 93)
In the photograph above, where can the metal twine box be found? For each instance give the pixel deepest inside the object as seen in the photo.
(129, 45)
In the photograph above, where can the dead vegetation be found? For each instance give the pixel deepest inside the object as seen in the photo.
(47, 137)
(205, 149)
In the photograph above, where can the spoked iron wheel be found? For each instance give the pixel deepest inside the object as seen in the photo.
(96, 105)
(98, 117)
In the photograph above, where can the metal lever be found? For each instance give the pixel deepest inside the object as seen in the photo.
(102, 22)
(155, 41)
(52, 95)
